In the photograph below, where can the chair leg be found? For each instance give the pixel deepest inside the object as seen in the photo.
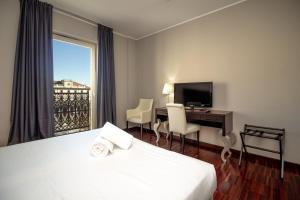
(171, 140)
(141, 131)
(198, 141)
(180, 141)
(180, 138)
(183, 136)
(127, 125)
(150, 126)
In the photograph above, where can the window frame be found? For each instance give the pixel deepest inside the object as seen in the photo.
(93, 70)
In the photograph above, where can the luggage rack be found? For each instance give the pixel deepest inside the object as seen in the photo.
(267, 133)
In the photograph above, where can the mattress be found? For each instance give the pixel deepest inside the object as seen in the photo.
(61, 168)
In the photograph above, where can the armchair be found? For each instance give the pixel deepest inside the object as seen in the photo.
(142, 114)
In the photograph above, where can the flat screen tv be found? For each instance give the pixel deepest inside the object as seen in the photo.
(194, 94)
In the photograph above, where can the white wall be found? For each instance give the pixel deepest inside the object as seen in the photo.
(250, 51)
(124, 60)
(126, 77)
(9, 19)
(69, 26)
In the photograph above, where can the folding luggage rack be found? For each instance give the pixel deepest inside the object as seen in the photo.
(267, 133)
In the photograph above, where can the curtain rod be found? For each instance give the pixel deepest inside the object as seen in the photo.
(86, 20)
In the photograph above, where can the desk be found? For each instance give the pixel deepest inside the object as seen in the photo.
(213, 118)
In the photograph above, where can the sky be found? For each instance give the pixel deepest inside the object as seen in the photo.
(71, 62)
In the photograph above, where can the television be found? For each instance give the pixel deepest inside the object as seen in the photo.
(194, 94)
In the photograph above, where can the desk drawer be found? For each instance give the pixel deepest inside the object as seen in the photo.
(212, 118)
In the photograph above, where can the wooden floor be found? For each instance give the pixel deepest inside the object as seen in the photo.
(255, 179)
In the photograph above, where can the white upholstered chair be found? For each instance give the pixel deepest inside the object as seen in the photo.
(142, 114)
(178, 124)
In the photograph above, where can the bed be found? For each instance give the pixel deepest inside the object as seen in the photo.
(61, 168)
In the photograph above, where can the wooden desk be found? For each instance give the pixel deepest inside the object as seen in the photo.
(213, 118)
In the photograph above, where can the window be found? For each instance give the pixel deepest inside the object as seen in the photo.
(73, 85)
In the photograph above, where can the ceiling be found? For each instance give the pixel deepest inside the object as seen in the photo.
(141, 18)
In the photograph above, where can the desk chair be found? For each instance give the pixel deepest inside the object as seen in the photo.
(178, 124)
(142, 114)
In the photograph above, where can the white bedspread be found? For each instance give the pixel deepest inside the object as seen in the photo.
(61, 168)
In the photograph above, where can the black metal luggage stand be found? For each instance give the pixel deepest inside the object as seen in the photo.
(264, 132)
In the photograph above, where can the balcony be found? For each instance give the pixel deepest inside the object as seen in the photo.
(71, 110)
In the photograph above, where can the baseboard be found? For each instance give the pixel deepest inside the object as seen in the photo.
(235, 153)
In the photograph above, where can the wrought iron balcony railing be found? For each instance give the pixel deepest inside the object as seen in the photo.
(71, 110)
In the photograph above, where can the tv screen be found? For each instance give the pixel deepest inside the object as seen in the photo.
(194, 94)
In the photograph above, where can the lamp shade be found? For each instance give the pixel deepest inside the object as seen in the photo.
(168, 88)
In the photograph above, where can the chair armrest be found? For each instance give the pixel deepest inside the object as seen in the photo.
(146, 116)
(131, 113)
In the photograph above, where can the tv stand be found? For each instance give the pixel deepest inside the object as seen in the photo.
(205, 117)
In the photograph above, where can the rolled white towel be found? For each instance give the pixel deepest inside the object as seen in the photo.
(116, 135)
(101, 147)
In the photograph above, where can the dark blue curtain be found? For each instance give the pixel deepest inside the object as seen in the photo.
(32, 95)
(106, 91)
